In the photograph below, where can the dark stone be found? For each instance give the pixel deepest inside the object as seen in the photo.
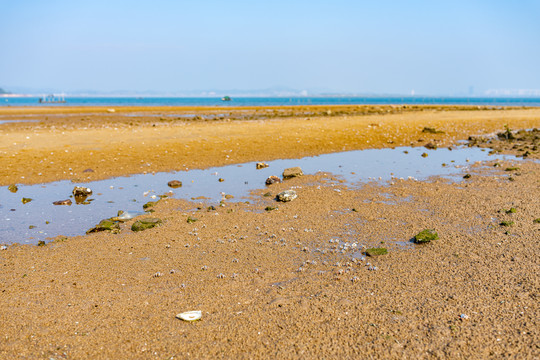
(174, 184)
(62, 202)
(145, 224)
(292, 172)
(191, 220)
(261, 165)
(81, 191)
(431, 146)
(105, 225)
(13, 188)
(149, 204)
(26, 200)
(272, 180)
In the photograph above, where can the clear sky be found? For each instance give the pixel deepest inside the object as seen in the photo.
(377, 46)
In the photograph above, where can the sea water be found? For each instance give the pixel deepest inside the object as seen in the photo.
(130, 193)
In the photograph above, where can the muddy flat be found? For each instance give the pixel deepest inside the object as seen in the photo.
(279, 279)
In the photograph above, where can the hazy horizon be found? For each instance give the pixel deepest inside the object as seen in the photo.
(459, 48)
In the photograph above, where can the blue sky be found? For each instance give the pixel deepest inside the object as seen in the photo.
(378, 47)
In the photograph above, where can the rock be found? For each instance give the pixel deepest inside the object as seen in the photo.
(424, 155)
(287, 195)
(506, 223)
(431, 130)
(88, 170)
(41, 243)
(431, 146)
(292, 172)
(13, 188)
(26, 200)
(536, 221)
(261, 165)
(174, 184)
(426, 236)
(106, 225)
(191, 220)
(467, 176)
(62, 202)
(376, 251)
(270, 208)
(81, 191)
(229, 196)
(148, 205)
(145, 224)
(272, 180)
(221, 179)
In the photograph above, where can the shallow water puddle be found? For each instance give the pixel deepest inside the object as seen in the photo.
(40, 219)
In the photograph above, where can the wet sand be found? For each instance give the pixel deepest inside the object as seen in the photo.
(83, 144)
(293, 282)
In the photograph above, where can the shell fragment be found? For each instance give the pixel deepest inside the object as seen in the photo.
(190, 315)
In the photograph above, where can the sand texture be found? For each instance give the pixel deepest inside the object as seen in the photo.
(292, 281)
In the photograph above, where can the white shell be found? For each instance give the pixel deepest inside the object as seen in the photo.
(190, 315)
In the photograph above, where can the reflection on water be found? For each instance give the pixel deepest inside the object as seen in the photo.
(40, 219)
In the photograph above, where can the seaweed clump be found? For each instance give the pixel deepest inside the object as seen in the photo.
(425, 236)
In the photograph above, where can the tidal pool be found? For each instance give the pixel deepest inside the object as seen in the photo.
(39, 219)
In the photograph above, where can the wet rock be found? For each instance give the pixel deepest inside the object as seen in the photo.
(81, 191)
(467, 176)
(431, 130)
(376, 251)
(26, 200)
(41, 243)
(261, 165)
(430, 146)
(63, 202)
(145, 224)
(174, 184)
(426, 236)
(221, 179)
(13, 188)
(148, 205)
(229, 196)
(424, 155)
(287, 195)
(105, 225)
(292, 172)
(272, 180)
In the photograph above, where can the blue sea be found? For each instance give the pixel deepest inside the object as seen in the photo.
(274, 101)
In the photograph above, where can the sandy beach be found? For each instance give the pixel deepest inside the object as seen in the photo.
(279, 280)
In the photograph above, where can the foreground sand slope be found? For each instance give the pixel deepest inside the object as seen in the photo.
(271, 284)
(64, 145)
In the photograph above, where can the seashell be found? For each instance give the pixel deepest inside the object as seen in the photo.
(190, 315)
